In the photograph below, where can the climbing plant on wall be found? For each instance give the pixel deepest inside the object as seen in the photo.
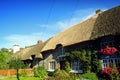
(83, 56)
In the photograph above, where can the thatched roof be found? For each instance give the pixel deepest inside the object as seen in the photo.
(35, 50)
(27, 52)
(21, 53)
(107, 22)
(77, 33)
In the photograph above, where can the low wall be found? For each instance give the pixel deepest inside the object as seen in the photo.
(12, 72)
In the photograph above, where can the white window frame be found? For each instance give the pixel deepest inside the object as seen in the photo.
(52, 65)
(75, 67)
(108, 62)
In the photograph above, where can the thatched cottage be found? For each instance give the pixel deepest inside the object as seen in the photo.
(30, 54)
(100, 32)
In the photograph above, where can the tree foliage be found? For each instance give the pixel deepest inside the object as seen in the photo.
(4, 55)
(16, 63)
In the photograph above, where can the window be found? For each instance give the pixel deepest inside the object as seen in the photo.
(111, 62)
(75, 65)
(60, 50)
(105, 63)
(52, 65)
(117, 62)
(107, 42)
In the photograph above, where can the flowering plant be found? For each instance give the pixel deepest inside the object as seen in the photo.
(107, 70)
(108, 51)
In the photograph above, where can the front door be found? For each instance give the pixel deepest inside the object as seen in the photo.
(62, 65)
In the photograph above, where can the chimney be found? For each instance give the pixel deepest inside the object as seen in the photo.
(99, 11)
(39, 42)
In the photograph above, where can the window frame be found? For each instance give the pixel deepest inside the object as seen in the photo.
(52, 65)
(76, 67)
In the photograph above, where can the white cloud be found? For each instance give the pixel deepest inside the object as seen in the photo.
(24, 40)
(77, 17)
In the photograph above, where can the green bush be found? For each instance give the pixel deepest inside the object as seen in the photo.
(40, 72)
(59, 73)
(90, 76)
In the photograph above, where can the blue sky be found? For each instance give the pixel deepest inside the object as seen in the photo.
(23, 22)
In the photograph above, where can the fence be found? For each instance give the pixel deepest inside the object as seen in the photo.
(12, 72)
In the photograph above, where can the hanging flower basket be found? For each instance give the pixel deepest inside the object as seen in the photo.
(108, 51)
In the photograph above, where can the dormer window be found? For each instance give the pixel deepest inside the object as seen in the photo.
(60, 50)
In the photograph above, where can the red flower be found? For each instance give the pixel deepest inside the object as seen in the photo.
(108, 51)
(113, 50)
(107, 70)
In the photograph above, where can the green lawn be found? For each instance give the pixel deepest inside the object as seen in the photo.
(87, 76)
(22, 78)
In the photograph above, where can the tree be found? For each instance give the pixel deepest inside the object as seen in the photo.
(17, 64)
(4, 55)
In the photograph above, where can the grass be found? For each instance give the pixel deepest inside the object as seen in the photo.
(87, 76)
(21, 78)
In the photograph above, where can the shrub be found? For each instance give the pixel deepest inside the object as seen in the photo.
(40, 72)
(59, 73)
(91, 76)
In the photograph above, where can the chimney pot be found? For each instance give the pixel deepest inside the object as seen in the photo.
(39, 42)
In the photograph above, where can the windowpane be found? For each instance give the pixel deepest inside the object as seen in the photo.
(75, 65)
(52, 65)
